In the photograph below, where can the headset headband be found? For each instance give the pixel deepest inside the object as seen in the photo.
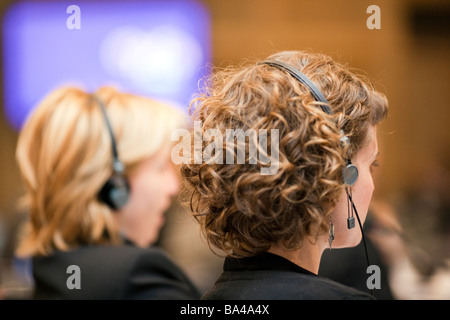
(317, 94)
(117, 164)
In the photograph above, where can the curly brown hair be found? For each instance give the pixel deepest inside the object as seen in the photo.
(243, 212)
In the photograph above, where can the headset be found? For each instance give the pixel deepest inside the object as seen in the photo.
(116, 190)
(350, 171)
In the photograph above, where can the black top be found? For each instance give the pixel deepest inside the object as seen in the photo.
(334, 265)
(271, 277)
(111, 272)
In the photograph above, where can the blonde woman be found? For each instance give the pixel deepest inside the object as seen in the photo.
(321, 120)
(99, 178)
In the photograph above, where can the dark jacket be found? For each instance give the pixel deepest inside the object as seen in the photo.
(334, 265)
(111, 272)
(272, 277)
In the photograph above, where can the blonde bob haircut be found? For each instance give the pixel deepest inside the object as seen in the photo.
(242, 212)
(64, 155)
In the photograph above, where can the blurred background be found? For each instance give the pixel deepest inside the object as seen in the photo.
(163, 48)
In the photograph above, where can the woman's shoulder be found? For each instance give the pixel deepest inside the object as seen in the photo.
(123, 259)
(125, 250)
(128, 272)
(281, 285)
(330, 289)
(105, 254)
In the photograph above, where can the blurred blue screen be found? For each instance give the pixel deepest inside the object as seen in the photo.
(155, 48)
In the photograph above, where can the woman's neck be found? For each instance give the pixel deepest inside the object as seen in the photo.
(308, 256)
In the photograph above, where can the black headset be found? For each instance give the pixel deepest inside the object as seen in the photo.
(350, 171)
(116, 190)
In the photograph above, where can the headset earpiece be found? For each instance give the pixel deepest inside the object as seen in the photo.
(350, 173)
(116, 190)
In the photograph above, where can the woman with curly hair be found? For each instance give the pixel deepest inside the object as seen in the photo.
(273, 228)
